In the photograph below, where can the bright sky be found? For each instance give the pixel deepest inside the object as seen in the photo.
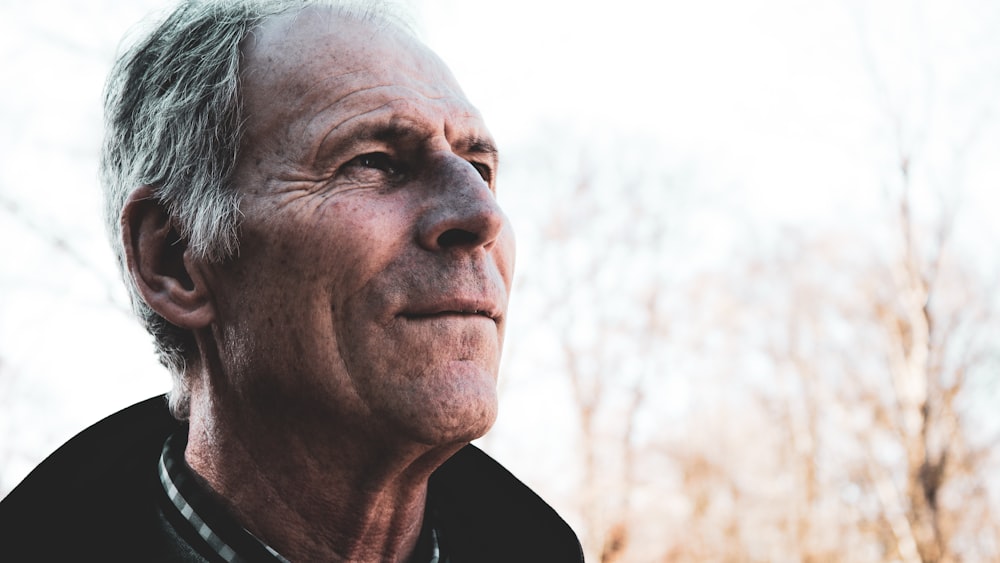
(784, 109)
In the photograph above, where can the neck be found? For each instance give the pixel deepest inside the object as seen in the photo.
(310, 494)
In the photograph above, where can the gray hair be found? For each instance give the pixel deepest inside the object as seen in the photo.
(174, 121)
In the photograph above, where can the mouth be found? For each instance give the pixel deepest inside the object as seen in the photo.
(443, 314)
(455, 308)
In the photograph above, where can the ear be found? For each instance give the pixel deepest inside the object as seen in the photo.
(157, 258)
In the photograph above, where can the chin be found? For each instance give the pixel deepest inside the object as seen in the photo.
(478, 427)
(464, 427)
(457, 417)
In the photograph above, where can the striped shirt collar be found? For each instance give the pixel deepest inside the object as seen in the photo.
(219, 533)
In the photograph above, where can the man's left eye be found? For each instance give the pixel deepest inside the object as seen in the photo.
(484, 170)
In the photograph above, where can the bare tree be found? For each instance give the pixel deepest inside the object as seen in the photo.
(603, 288)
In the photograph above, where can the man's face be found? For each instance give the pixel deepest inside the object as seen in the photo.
(371, 285)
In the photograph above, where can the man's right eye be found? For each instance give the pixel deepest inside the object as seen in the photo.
(378, 161)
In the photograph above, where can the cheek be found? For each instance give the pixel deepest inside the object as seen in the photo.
(329, 254)
(505, 254)
(354, 240)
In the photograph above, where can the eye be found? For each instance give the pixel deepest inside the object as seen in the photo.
(377, 161)
(484, 170)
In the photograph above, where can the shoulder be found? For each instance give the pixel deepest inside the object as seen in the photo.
(487, 514)
(98, 488)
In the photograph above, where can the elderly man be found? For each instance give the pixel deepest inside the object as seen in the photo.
(303, 204)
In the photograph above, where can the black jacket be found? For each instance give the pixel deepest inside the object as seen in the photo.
(99, 498)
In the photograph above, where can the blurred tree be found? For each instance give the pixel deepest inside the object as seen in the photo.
(841, 373)
(601, 281)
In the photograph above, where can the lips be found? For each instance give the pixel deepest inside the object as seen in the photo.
(466, 307)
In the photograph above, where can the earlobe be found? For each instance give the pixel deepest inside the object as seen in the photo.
(157, 258)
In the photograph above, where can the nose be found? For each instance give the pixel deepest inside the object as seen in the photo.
(464, 214)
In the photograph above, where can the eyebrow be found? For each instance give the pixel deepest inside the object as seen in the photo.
(470, 143)
(478, 145)
(389, 133)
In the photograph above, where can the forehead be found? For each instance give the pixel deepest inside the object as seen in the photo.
(320, 61)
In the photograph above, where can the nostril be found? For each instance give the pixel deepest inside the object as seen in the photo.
(457, 237)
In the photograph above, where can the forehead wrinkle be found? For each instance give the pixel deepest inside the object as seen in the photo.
(338, 127)
(262, 80)
(406, 116)
(312, 85)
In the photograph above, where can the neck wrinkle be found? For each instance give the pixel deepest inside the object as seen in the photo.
(315, 497)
